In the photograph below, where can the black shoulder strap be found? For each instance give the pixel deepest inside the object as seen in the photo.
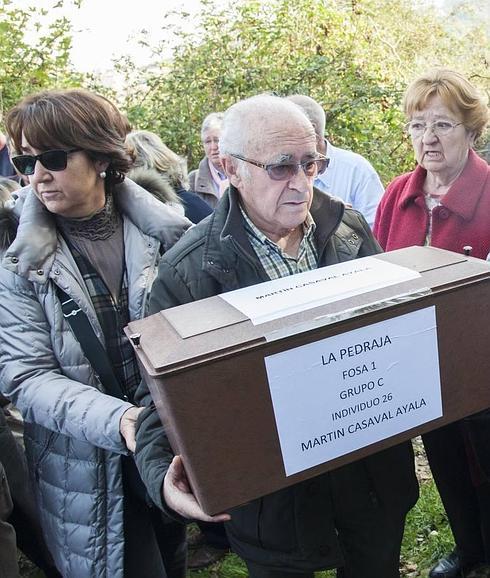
(90, 344)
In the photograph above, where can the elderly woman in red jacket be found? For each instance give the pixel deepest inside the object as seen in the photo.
(445, 202)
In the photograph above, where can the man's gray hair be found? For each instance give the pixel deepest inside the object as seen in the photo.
(244, 120)
(212, 121)
(313, 110)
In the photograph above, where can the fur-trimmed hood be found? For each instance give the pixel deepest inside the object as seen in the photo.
(157, 184)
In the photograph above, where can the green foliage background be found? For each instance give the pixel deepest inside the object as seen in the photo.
(27, 67)
(354, 56)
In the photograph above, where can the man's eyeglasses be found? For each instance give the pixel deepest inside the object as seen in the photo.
(416, 128)
(286, 171)
(53, 160)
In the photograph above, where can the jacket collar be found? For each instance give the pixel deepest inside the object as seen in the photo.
(226, 225)
(327, 212)
(464, 194)
(226, 230)
(33, 251)
(204, 179)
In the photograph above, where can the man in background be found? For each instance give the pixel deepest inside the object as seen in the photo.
(349, 175)
(209, 180)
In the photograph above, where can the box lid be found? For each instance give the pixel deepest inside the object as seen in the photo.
(201, 331)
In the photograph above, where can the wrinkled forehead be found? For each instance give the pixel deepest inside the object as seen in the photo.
(438, 107)
(213, 132)
(284, 139)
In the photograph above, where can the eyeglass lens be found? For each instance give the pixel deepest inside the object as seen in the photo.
(54, 160)
(286, 171)
(439, 128)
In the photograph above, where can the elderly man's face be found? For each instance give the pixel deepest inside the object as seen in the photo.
(277, 207)
(210, 142)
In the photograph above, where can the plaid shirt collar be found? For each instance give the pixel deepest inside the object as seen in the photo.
(275, 261)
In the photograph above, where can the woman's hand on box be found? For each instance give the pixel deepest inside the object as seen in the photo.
(179, 497)
(127, 426)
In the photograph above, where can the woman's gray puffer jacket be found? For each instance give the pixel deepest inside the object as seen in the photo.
(72, 434)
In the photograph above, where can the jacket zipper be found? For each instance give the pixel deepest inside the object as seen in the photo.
(151, 268)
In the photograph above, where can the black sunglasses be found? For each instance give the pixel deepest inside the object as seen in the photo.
(53, 160)
(286, 171)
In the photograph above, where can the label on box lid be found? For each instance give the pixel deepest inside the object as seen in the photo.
(281, 297)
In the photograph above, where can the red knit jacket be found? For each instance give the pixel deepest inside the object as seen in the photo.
(463, 218)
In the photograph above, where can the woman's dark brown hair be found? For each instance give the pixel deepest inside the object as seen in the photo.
(73, 118)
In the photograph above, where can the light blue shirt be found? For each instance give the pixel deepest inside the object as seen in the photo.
(353, 179)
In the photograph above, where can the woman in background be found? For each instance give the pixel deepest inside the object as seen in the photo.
(159, 170)
(163, 173)
(445, 203)
(7, 187)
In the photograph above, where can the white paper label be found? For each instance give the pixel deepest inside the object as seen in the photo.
(343, 393)
(274, 299)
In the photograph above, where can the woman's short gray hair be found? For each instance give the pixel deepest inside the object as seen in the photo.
(150, 152)
(212, 121)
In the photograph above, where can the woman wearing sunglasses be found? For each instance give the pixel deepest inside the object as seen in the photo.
(445, 202)
(86, 250)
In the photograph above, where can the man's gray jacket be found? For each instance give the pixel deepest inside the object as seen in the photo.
(294, 527)
(201, 182)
